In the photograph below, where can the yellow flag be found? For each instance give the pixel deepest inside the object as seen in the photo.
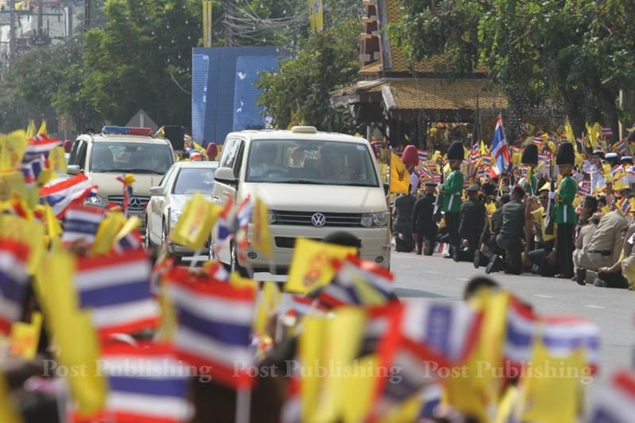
(25, 337)
(399, 177)
(11, 184)
(30, 130)
(268, 304)
(568, 130)
(52, 224)
(194, 227)
(12, 147)
(75, 337)
(167, 318)
(361, 387)
(552, 386)
(107, 232)
(29, 232)
(483, 149)
(311, 351)
(8, 411)
(316, 15)
(261, 235)
(343, 335)
(42, 130)
(311, 265)
(57, 160)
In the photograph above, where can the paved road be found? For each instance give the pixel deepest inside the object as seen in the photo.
(613, 310)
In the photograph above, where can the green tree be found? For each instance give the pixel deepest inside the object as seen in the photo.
(141, 59)
(298, 93)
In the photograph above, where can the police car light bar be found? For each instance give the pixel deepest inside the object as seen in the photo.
(122, 130)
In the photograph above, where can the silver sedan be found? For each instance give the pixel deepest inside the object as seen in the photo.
(169, 198)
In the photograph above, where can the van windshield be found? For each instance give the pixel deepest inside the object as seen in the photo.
(130, 157)
(311, 162)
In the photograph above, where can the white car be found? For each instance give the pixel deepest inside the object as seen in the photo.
(169, 198)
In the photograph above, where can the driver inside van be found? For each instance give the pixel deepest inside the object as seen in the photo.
(263, 160)
(333, 165)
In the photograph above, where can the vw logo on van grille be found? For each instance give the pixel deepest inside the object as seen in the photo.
(318, 220)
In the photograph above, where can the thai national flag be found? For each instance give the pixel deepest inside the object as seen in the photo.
(449, 329)
(621, 147)
(607, 132)
(32, 169)
(14, 281)
(563, 335)
(39, 146)
(426, 173)
(352, 272)
(584, 188)
(521, 329)
(214, 331)
(615, 402)
(225, 228)
(243, 213)
(500, 148)
(131, 241)
(423, 155)
(475, 153)
(487, 160)
(127, 191)
(117, 290)
(193, 154)
(81, 223)
(537, 141)
(60, 194)
(147, 384)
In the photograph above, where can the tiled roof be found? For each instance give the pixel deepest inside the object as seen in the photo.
(372, 68)
(437, 94)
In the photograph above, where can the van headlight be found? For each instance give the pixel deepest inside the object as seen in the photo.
(375, 219)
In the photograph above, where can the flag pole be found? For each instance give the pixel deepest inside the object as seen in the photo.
(243, 405)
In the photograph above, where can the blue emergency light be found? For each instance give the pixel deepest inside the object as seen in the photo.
(122, 130)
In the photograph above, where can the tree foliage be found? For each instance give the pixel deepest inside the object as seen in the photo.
(299, 92)
(565, 54)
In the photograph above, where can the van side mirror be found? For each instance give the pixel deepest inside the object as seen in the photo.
(225, 175)
(387, 188)
(73, 169)
(157, 191)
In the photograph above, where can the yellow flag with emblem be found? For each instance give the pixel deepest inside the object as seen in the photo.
(311, 265)
(57, 160)
(25, 337)
(194, 227)
(399, 177)
(268, 303)
(261, 240)
(12, 184)
(12, 149)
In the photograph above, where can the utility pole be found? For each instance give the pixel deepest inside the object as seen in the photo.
(69, 11)
(12, 43)
(40, 14)
(229, 32)
(87, 10)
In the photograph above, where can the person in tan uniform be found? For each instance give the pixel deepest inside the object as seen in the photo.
(580, 256)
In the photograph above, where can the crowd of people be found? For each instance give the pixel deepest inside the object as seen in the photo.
(563, 213)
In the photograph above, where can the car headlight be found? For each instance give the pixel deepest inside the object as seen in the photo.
(96, 201)
(375, 219)
(272, 217)
(174, 216)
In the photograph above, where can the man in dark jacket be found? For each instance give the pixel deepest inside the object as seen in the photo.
(512, 231)
(404, 204)
(472, 222)
(423, 224)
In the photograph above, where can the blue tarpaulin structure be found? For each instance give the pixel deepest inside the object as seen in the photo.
(223, 92)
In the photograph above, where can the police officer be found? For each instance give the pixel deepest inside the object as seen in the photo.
(452, 190)
(472, 222)
(423, 224)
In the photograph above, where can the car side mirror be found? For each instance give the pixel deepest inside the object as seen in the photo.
(225, 175)
(157, 191)
(73, 169)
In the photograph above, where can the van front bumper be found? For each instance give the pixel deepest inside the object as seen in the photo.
(375, 245)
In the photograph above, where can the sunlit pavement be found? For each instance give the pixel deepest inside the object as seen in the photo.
(613, 310)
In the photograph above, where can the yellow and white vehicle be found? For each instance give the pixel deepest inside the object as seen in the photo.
(119, 150)
(314, 183)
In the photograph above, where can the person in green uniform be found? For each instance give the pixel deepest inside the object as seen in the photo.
(530, 159)
(452, 191)
(566, 217)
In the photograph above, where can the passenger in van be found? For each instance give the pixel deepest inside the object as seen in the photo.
(297, 157)
(333, 165)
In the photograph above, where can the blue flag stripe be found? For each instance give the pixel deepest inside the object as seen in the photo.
(11, 289)
(115, 294)
(151, 386)
(228, 333)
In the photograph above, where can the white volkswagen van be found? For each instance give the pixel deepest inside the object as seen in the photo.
(314, 183)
